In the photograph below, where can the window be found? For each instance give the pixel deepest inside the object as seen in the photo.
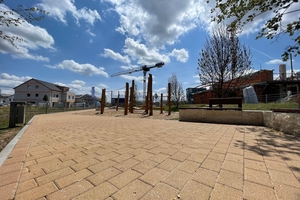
(37, 86)
(36, 94)
(28, 86)
(72, 97)
(69, 97)
(28, 94)
(57, 95)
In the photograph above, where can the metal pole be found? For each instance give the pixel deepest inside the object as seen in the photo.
(118, 101)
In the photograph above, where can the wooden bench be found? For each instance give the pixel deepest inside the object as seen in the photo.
(224, 101)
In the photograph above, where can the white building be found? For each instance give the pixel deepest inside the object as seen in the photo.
(33, 91)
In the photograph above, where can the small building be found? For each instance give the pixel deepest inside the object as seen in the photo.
(34, 90)
(86, 99)
(190, 93)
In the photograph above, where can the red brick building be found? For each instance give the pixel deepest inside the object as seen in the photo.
(265, 87)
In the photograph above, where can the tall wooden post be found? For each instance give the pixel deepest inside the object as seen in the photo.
(169, 98)
(146, 104)
(102, 101)
(161, 103)
(150, 95)
(118, 101)
(132, 96)
(126, 99)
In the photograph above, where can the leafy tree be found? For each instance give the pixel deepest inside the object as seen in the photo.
(177, 93)
(243, 12)
(45, 98)
(224, 62)
(155, 97)
(17, 16)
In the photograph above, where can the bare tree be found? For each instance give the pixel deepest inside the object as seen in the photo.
(177, 93)
(17, 16)
(224, 63)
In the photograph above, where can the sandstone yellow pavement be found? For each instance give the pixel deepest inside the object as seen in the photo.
(85, 155)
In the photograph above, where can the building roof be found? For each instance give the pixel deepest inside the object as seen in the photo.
(51, 86)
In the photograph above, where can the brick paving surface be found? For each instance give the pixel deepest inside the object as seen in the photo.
(78, 156)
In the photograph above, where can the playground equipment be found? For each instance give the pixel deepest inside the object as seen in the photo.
(143, 68)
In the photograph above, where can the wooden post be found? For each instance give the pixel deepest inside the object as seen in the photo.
(150, 95)
(161, 103)
(126, 99)
(132, 97)
(102, 101)
(169, 98)
(146, 104)
(118, 101)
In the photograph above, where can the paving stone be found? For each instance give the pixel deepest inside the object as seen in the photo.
(102, 166)
(233, 166)
(7, 191)
(127, 164)
(124, 178)
(26, 185)
(180, 156)
(154, 176)
(9, 178)
(195, 190)
(189, 166)
(260, 177)
(224, 192)
(205, 176)
(177, 179)
(14, 159)
(159, 157)
(11, 168)
(101, 191)
(197, 157)
(254, 164)
(71, 191)
(72, 178)
(144, 166)
(57, 166)
(104, 175)
(279, 166)
(31, 174)
(216, 156)
(161, 191)
(287, 192)
(212, 164)
(284, 178)
(257, 192)
(134, 190)
(234, 157)
(231, 179)
(54, 175)
(85, 164)
(38, 192)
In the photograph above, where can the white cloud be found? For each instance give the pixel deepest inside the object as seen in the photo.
(142, 54)
(8, 82)
(103, 86)
(159, 22)
(34, 38)
(275, 62)
(84, 69)
(136, 78)
(90, 33)
(181, 55)
(59, 10)
(108, 53)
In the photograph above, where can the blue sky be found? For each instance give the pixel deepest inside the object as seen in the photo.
(81, 43)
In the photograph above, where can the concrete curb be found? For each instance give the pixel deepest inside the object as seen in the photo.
(10, 146)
